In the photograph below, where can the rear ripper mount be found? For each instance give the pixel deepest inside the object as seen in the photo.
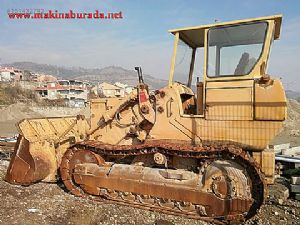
(218, 192)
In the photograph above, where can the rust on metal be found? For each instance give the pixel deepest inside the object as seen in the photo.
(160, 109)
(24, 169)
(145, 109)
(162, 94)
(143, 186)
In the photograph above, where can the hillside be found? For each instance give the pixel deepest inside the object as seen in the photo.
(109, 74)
(293, 95)
(291, 129)
(10, 94)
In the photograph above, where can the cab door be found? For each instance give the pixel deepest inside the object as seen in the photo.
(234, 55)
(229, 100)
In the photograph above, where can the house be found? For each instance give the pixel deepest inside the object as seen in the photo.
(127, 89)
(18, 75)
(7, 74)
(74, 92)
(109, 90)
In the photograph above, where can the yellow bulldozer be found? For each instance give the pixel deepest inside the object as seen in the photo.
(196, 148)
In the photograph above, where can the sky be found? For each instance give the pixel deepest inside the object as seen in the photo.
(141, 37)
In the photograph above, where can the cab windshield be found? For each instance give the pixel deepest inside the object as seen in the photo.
(183, 62)
(234, 50)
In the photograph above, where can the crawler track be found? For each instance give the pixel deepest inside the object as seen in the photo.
(92, 152)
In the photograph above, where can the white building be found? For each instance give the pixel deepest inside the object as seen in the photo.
(10, 74)
(7, 76)
(74, 92)
(108, 90)
(127, 89)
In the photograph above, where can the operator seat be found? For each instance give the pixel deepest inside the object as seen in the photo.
(241, 67)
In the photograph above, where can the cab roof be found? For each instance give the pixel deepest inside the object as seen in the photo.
(195, 35)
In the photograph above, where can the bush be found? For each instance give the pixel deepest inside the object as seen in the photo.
(55, 102)
(12, 93)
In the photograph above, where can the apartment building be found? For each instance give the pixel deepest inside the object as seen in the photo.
(74, 92)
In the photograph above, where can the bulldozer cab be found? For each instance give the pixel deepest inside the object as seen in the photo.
(219, 64)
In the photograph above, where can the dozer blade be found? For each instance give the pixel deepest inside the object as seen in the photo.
(23, 168)
(40, 146)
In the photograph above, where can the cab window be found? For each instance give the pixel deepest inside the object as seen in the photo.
(183, 62)
(235, 50)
